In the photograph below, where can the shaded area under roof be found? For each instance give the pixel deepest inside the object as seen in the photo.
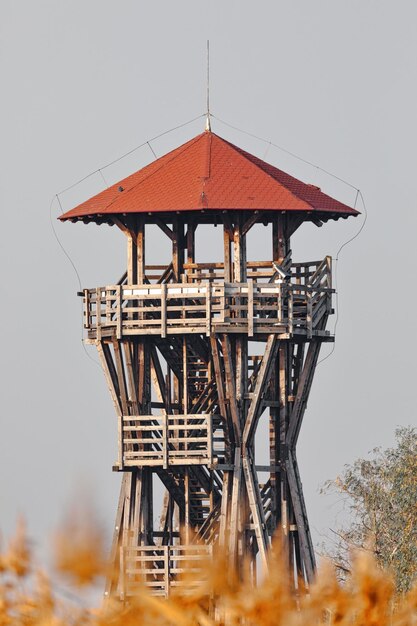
(208, 173)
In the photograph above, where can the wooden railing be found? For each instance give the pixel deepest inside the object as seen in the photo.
(163, 568)
(291, 305)
(214, 272)
(164, 440)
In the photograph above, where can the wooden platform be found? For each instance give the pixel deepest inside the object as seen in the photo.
(287, 306)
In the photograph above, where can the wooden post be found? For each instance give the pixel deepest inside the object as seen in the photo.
(178, 248)
(140, 250)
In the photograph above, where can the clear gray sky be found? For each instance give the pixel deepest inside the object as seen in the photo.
(85, 81)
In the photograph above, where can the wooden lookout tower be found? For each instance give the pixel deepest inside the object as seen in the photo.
(195, 354)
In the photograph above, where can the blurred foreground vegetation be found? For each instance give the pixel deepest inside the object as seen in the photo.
(29, 597)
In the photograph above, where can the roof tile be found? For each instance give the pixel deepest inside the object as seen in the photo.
(209, 172)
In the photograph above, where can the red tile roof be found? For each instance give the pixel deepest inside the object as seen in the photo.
(209, 173)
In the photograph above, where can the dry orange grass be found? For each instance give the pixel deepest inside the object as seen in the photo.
(27, 597)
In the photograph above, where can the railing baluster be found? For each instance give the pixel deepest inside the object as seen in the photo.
(250, 308)
(98, 312)
(209, 427)
(122, 581)
(165, 439)
(119, 312)
(163, 310)
(166, 569)
(280, 302)
(120, 441)
(309, 314)
(87, 312)
(208, 309)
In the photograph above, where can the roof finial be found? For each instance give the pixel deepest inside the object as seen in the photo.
(208, 123)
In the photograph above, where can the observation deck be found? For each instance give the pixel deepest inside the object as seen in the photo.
(289, 301)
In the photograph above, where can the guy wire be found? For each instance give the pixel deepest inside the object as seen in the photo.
(76, 273)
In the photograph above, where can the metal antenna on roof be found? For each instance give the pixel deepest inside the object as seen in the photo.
(208, 122)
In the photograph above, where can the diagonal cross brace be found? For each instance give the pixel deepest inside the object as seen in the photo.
(256, 508)
(262, 381)
(303, 392)
(300, 513)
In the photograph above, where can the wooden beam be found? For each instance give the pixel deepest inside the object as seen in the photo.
(112, 578)
(253, 219)
(235, 509)
(239, 253)
(133, 391)
(256, 509)
(140, 249)
(261, 383)
(192, 227)
(178, 248)
(165, 229)
(230, 387)
(297, 499)
(303, 392)
(229, 431)
(158, 376)
(118, 222)
(120, 377)
(132, 264)
(110, 375)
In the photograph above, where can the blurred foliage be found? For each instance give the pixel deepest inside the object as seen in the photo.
(381, 496)
(28, 597)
